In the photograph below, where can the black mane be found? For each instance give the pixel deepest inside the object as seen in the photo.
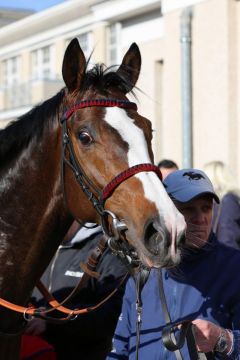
(17, 135)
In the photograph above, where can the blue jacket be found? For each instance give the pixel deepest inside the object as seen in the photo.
(226, 220)
(206, 285)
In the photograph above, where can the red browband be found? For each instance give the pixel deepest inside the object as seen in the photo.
(125, 104)
(110, 187)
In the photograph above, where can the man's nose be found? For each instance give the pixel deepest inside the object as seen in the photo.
(199, 217)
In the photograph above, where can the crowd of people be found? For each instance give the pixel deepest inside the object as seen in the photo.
(201, 289)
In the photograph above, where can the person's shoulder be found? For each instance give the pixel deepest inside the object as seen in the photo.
(89, 232)
(231, 196)
(230, 206)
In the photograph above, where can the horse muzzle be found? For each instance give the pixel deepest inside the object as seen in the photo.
(161, 247)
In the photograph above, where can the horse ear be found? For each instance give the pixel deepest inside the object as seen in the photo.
(131, 64)
(74, 66)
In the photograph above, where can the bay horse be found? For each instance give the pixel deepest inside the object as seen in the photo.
(86, 140)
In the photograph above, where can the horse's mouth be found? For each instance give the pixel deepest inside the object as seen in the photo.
(159, 249)
(168, 261)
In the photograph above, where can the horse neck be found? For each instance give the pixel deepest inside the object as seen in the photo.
(33, 220)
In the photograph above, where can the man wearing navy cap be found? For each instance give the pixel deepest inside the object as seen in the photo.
(189, 185)
(204, 288)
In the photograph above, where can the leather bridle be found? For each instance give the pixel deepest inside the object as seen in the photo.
(96, 196)
(121, 248)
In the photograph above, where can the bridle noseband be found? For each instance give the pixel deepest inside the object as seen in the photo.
(96, 196)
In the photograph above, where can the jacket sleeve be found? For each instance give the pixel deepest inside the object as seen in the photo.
(123, 329)
(228, 229)
(235, 326)
(235, 353)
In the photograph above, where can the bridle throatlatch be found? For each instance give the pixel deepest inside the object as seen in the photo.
(99, 197)
(114, 237)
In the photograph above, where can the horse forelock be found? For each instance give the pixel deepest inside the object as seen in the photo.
(101, 79)
(19, 133)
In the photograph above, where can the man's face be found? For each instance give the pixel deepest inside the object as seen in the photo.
(198, 216)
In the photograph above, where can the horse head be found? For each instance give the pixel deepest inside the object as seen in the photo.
(108, 136)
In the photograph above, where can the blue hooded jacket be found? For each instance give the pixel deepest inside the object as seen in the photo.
(205, 285)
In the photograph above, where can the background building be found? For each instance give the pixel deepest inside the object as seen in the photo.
(31, 53)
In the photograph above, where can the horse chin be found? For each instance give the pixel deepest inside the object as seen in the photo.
(160, 261)
(159, 249)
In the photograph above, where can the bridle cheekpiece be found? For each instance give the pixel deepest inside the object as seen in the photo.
(117, 245)
(87, 185)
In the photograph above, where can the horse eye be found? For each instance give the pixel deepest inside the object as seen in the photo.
(85, 138)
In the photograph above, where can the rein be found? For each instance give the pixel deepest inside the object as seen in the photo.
(169, 340)
(89, 271)
(118, 246)
(29, 312)
(96, 196)
(140, 282)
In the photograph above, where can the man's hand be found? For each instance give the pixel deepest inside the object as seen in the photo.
(207, 334)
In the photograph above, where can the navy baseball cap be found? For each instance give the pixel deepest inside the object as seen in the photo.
(187, 184)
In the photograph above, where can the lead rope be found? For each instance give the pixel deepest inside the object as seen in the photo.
(186, 331)
(166, 314)
(141, 279)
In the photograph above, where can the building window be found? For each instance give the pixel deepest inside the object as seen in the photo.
(42, 63)
(46, 54)
(16, 93)
(85, 43)
(114, 44)
(11, 71)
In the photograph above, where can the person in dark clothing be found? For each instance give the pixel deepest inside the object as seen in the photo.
(202, 288)
(89, 336)
(226, 215)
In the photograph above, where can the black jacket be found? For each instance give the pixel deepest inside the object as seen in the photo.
(89, 336)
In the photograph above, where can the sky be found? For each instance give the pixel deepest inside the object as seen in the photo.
(36, 5)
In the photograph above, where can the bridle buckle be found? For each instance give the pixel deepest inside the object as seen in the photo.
(118, 226)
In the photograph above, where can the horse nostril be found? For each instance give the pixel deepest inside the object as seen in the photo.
(154, 238)
(181, 239)
(150, 230)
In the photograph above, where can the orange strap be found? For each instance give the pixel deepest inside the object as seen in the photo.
(89, 270)
(55, 305)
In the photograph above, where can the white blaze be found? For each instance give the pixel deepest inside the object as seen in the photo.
(138, 154)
